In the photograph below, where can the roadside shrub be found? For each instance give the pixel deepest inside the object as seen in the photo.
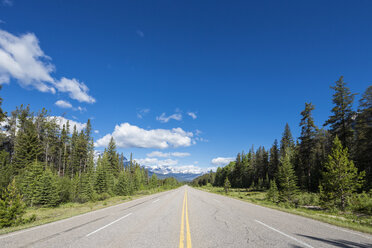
(103, 196)
(12, 207)
(308, 199)
(362, 203)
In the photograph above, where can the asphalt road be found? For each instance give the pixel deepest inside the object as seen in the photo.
(186, 217)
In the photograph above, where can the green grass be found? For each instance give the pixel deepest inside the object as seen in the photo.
(67, 210)
(360, 222)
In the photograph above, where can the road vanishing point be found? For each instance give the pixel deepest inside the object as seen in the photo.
(186, 217)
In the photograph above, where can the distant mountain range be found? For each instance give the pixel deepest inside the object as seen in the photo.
(184, 174)
(181, 177)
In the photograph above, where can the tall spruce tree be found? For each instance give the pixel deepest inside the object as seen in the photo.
(363, 148)
(287, 179)
(306, 152)
(27, 147)
(12, 207)
(340, 178)
(273, 160)
(112, 157)
(342, 119)
(286, 141)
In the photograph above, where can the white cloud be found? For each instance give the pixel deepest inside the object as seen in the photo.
(180, 154)
(140, 33)
(75, 89)
(96, 131)
(156, 162)
(127, 135)
(21, 58)
(164, 119)
(192, 115)
(62, 121)
(63, 104)
(169, 154)
(7, 2)
(142, 113)
(222, 161)
(158, 154)
(81, 109)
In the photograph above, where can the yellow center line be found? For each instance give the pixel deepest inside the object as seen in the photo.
(188, 235)
(182, 236)
(182, 232)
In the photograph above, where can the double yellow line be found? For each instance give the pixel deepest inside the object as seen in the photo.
(182, 233)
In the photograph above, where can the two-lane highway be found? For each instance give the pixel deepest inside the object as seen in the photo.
(186, 217)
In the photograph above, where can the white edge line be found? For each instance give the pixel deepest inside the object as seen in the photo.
(272, 228)
(343, 229)
(99, 229)
(8, 235)
(155, 201)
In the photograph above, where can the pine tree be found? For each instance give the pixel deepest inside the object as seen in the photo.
(342, 119)
(308, 132)
(112, 157)
(154, 181)
(363, 147)
(6, 171)
(123, 186)
(27, 147)
(287, 178)
(286, 141)
(274, 160)
(226, 185)
(31, 184)
(340, 178)
(273, 193)
(12, 207)
(48, 194)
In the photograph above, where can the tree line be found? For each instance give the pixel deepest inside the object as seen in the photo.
(334, 162)
(45, 164)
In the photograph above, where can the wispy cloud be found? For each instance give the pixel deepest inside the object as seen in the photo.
(169, 154)
(22, 58)
(142, 112)
(164, 119)
(7, 2)
(192, 115)
(140, 33)
(127, 135)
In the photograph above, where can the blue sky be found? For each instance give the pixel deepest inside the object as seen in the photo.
(230, 74)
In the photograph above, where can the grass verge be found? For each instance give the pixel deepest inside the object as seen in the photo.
(362, 223)
(67, 210)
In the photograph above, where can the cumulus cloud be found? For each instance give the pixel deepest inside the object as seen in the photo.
(96, 131)
(63, 121)
(164, 119)
(192, 115)
(222, 161)
(63, 104)
(22, 58)
(169, 154)
(127, 135)
(75, 89)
